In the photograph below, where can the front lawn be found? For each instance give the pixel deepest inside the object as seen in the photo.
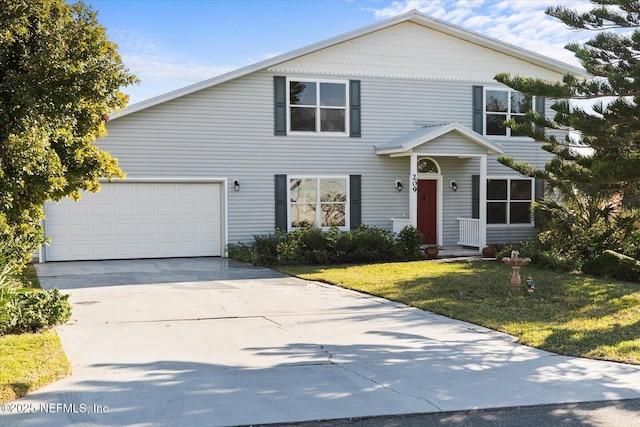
(30, 361)
(568, 314)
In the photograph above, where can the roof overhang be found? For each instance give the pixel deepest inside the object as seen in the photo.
(406, 144)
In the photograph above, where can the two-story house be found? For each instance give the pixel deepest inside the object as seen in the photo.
(393, 124)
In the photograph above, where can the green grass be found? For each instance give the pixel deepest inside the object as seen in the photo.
(30, 361)
(568, 314)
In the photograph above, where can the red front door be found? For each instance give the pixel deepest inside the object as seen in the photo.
(427, 210)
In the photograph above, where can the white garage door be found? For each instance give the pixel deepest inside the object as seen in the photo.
(137, 220)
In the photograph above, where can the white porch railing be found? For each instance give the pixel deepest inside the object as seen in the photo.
(469, 234)
(399, 224)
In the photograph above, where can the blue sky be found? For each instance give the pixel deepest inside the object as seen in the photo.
(171, 44)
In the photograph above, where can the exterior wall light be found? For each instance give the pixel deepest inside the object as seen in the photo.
(236, 185)
(453, 185)
(399, 185)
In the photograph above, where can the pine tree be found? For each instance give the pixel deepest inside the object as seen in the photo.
(602, 159)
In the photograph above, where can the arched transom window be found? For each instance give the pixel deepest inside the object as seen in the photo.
(428, 166)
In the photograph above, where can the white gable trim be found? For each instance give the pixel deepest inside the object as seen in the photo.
(412, 16)
(406, 144)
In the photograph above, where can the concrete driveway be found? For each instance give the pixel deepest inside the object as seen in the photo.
(211, 341)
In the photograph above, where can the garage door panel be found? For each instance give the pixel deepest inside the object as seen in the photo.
(137, 220)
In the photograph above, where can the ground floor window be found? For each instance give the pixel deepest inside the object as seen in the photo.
(509, 201)
(318, 202)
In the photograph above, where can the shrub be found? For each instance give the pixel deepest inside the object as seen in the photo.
(307, 245)
(310, 245)
(264, 250)
(34, 311)
(368, 244)
(613, 264)
(240, 251)
(408, 244)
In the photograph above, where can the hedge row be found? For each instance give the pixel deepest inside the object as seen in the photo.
(312, 246)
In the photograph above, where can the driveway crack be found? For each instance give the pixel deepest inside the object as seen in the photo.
(330, 358)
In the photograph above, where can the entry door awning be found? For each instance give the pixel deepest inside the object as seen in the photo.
(407, 144)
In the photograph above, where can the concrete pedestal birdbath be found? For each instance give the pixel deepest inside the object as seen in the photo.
(515, 262)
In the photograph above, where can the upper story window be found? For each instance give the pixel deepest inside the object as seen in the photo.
(318, 106)
(509, 201)
(501, 105)
(318, 202)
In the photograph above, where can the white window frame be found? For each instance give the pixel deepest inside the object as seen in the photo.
(508, 113)
(318, 202)
(508, 201)
(318, 107)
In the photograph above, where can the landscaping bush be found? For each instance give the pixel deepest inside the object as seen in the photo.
(614, 264)
(310, 245)
(368, 244)
(264, 250)
(35, 311)
(307, 245)
(408, 244)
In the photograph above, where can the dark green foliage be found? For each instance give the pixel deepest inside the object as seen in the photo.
(312, 246)
(60, 78)
(239, 251)
(408, 243)
(594, 178)
(265, 248)
(368, 244)
(34, 311)
(613, 264)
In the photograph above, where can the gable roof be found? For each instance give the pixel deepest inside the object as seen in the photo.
(412, 16)
(406, 143)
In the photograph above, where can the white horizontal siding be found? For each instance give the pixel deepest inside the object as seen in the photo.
(226, 131)
(412, 51)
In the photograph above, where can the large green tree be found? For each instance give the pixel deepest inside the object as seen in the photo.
(60, 78)
(603, 157)
(595, 171)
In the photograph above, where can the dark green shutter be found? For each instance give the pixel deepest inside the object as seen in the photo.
(475, 196)
(539, 189)
(478, 110)
(281, 202)
(354, 109)
(280, 105)
(539, 215)
(540, 110)
(540, 105)
(355, 201)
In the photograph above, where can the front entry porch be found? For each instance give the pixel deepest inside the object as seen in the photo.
(452, 160)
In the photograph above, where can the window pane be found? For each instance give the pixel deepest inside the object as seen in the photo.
(520, 213)
(496, 213)
(333, 94)
(303, 190)
(518, 118)
(302, 93)
(303, 119)
(333, 215)
(520, 189)
(520, 103)
(495, 124)
(427, 166)
(496, 189)
(333, 190)
(497, 100)
(332, 120)
(303, 215)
